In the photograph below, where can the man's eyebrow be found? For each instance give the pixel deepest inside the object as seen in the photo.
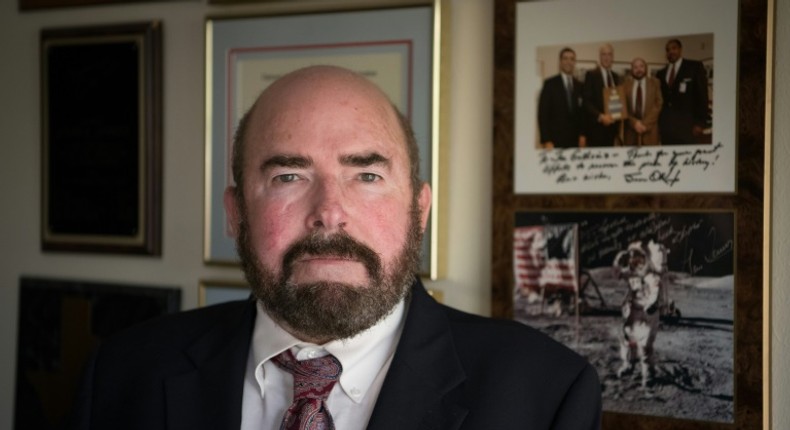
(283, 160)
(364, 160)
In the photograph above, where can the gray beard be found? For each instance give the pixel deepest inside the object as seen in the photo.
(331, 310)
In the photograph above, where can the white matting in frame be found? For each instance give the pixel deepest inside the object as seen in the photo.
(391, 47)
(583, 26)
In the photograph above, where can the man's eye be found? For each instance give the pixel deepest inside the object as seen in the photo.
(285, 178)
(369, 177)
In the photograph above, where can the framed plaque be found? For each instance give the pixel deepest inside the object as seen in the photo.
(101, 139)
(60, 323)
(614, 103)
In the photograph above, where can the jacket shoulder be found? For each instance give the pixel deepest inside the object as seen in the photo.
(175, 330)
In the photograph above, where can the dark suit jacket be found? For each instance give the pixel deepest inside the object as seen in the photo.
(597, 134)
(685, 103)
(560, 123)
(451, 370)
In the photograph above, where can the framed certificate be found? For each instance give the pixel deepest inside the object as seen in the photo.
(396, 48)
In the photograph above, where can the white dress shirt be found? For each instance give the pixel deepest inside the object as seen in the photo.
(606, 75)
(268, 390)
(676, 65)
(568, 81)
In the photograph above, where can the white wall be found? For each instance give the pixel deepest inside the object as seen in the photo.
(467, 285)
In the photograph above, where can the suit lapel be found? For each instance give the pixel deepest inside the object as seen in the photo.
(209, 397)
(423, 373)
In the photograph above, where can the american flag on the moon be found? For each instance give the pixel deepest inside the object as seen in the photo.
(545, 258)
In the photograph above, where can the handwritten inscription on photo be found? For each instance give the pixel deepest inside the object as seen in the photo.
(668, 166)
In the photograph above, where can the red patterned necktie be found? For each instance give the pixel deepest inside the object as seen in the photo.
(671, 79)
(313, 380)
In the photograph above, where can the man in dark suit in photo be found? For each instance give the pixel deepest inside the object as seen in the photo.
(329, 211)
(684, 88)
(559, 106)
(599, 127)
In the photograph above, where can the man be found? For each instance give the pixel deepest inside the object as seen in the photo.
(643, 95)
(559, 107)
(600, 127)
(684, 87)
(329, 212)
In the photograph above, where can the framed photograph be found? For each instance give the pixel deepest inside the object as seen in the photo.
(593, 280)
(582, 259)
(101, 119)
(396, 48)
(212, 292)
(60, 323)
(703, 162)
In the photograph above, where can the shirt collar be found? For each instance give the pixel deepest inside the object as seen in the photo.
(362, 356)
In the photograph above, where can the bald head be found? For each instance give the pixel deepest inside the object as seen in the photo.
(606, 55)
(304, 96)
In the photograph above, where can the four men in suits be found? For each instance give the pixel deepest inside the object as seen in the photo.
(672, 109)
(559, 107)
(644, 101)
(684, 88)
(329, 210)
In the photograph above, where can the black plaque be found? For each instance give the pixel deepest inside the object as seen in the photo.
(101, 133)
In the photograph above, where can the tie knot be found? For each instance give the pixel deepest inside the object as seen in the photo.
(313, 378)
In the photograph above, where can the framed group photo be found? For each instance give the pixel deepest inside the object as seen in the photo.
(704, 164)
(396, 48)
(645, 255)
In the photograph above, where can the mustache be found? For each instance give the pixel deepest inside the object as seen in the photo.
(338, 244)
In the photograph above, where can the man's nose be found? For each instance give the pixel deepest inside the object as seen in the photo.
(328, 206)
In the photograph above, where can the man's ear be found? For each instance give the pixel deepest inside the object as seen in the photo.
(232, 209)
(424, 202)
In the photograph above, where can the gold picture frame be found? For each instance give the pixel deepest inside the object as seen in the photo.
(411, 34)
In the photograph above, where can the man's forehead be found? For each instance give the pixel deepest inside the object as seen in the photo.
(358, 103)
(294, 136)
(323, 81)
